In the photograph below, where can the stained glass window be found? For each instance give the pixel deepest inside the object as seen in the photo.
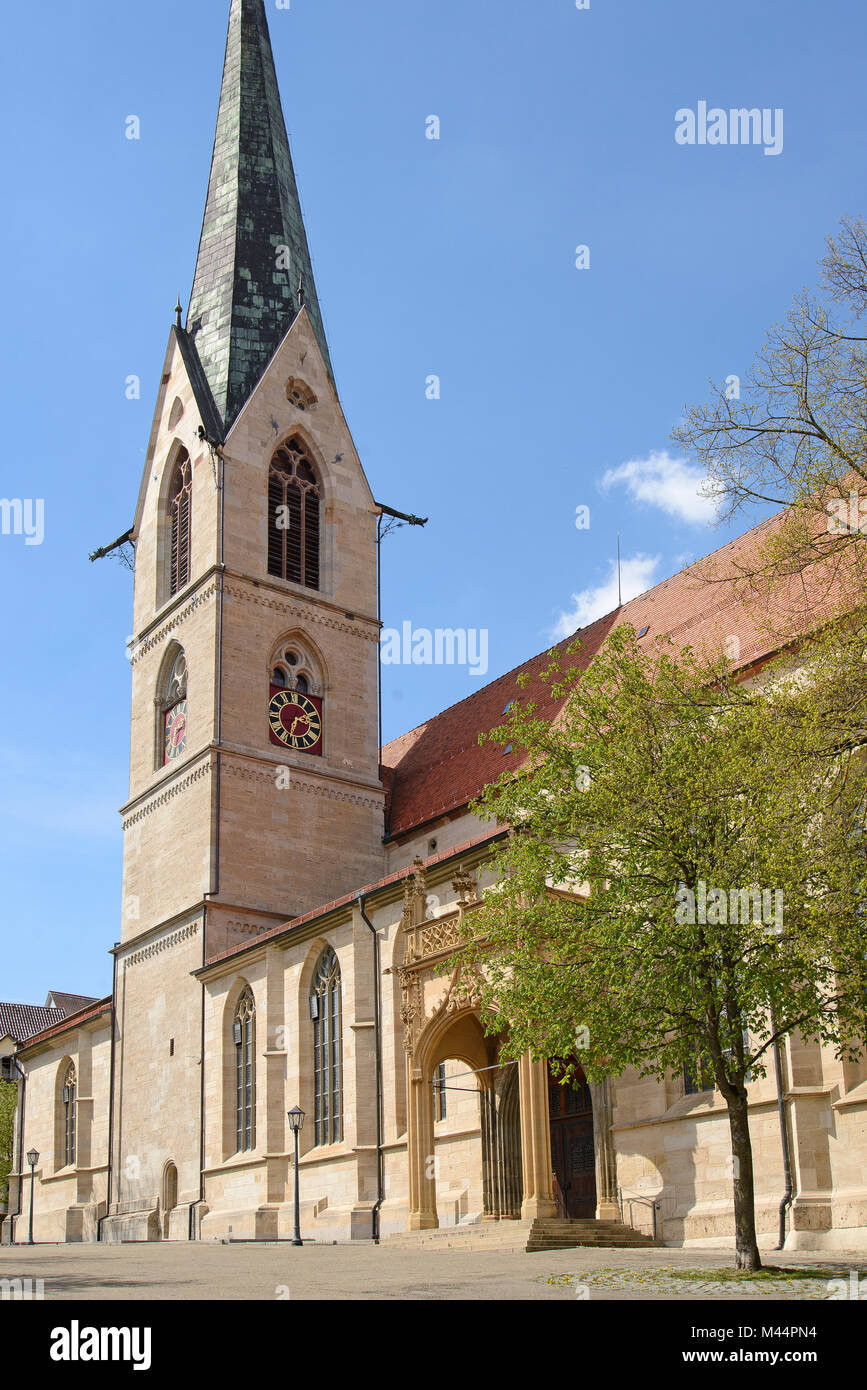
(244, 1038)
(325, 1011)
(69, 1091)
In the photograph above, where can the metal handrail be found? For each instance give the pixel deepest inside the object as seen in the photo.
(632, 1198)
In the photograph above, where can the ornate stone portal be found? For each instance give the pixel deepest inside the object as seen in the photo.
(441, 1019)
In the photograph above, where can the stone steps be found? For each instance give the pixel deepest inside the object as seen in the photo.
(531, 1236)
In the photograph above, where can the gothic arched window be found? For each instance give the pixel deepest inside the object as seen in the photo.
(68, 1098)
(173, 711)
(293, 516)
(299, 394)
(244, 1041)
(295, 667)
(325, 1010)
(180, 518)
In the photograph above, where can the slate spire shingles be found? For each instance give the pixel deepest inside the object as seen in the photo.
(243, 302)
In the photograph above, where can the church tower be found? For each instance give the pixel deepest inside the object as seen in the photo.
(254, 784)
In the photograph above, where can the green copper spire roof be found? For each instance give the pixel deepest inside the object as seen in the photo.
(253, 272)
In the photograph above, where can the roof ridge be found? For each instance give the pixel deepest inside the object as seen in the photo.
(603, 617)
(72, 1020)
(482, 688)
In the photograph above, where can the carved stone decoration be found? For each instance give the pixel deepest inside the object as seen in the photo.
(414, 905)
(443, 935)
(465, 886)
(419, 881)
(411, 1007)
(464, 992)
(469, 995)
(406, 920)
(407, 1017)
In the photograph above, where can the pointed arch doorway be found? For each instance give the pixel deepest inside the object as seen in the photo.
(573, 1154)
(169, 1198)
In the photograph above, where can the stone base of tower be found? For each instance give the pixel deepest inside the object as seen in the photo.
(74, 1225)
(250, 1223)
(320, 1223)
(120, 1227)
(183, 1222)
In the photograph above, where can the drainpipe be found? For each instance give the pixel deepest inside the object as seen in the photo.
(788, 1195)
(377, 1029)
(379, 630)
(109, 1174)
(216, 448)
(22, 1095)
(192, 1226)
(218, 720)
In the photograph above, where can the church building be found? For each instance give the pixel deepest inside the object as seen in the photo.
(290, 890)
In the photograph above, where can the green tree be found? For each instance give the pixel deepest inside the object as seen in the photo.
(664, 779)
(8, 1099)
(794, 432)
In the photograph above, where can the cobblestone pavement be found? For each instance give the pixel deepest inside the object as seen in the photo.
(365, 1272)
(648, 1283)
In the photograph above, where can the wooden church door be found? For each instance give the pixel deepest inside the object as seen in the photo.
(573, 1156)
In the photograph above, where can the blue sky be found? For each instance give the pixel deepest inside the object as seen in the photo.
(453, 258)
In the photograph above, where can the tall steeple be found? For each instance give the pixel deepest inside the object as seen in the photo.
(253, 272)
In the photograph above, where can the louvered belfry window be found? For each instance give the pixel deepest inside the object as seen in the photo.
(180, 513)
(294, 499)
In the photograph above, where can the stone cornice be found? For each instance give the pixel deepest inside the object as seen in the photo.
(282, 941)
(249, 772)
(169, 924)
(301, 610)
(165, 943)
(151, 801)
(153, 636)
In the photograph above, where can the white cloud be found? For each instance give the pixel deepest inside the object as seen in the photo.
(637, 574)
(665, 482)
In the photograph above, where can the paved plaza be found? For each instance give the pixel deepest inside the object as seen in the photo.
(366, 1272)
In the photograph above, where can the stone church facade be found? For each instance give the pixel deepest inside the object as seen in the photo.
(290, 894)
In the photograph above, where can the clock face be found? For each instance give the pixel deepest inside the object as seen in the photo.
(176, 731)
(296, 720)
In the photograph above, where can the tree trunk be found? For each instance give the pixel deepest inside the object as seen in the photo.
(747, 1250)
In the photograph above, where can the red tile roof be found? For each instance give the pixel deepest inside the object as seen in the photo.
(20, 1021)
(397, 877)
(71, 1021)
(439, 767)
(69, 1003)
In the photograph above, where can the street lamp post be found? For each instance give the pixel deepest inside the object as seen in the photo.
(296, 1120)
(32, 1159)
